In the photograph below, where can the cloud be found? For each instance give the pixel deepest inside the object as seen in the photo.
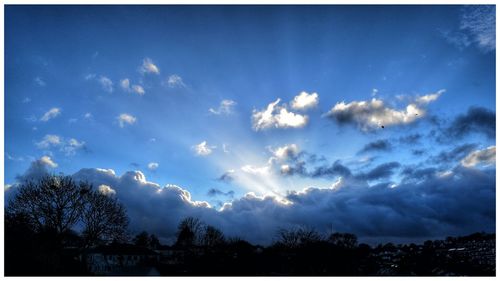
(476, 27)
(369, 115)
(479, 22)
(255, 170)
(37, 169)
(203, 149)
(225, 107)
(72, 145)
(39, 81)
(106, 84)
(137, 89)
(459, 152)
(335, 170)
(106, 190)
(216, 192)
(87, 115)
(378, 145)
(148, 67)
(435, 207)
(49, 141)
(125, 84)
(277, 117)
(305, 101)
(382, 171)
(480, 157)
(125, 119)
(69, 147)
(174, 81)
(410, 139)
(153, 166)
(52, 113)
(227, 176)
(476, 120)
(286, 152)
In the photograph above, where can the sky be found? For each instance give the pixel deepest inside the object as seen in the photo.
(374, 120)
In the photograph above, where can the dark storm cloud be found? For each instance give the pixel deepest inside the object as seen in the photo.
(417, 152)
(226, 177)
(415, 174)
(335, 170)
(476, 120)
(378, 145)
(451, 156)
(410, 139)
(380, 172)
(216, 192)
(435, 206)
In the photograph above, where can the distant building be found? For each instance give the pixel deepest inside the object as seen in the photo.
(121, 259)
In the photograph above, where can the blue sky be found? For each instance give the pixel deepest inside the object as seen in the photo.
(178, 93)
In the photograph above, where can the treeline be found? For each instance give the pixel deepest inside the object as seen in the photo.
(50, 223)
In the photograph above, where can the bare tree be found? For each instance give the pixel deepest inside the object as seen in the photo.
(297, 237)
(53, 204)
(104, 218)
(189, 232)
(56, 204)
(212, 237)
(343, 240)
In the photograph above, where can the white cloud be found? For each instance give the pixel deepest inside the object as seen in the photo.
(26, 100)
(430, 97)
(49, 141)
(87, 115)
(368, 115)
(305, 101)
(68, 147)
(286, 119)
(138, 90)
(52, 113)
(480, 157)
(46, 161)
(254, 170)
(277, 117)
(148, 67)
(153, 166)
(225, 107)
(479, 21)
(203, 149)
(175, 81)
(125, 118)
(90, 76)
(125, 84)
(106, 84)
(286, 152)
(39, 81)
(71, 146)
(106, 190)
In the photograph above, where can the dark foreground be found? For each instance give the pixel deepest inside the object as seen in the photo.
(474, 255)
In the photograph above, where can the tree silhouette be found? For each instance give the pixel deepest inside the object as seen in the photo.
(297, 237)
(343, 240)
(53, 204)
(103, 218)
(212, 237)
(189, 232)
